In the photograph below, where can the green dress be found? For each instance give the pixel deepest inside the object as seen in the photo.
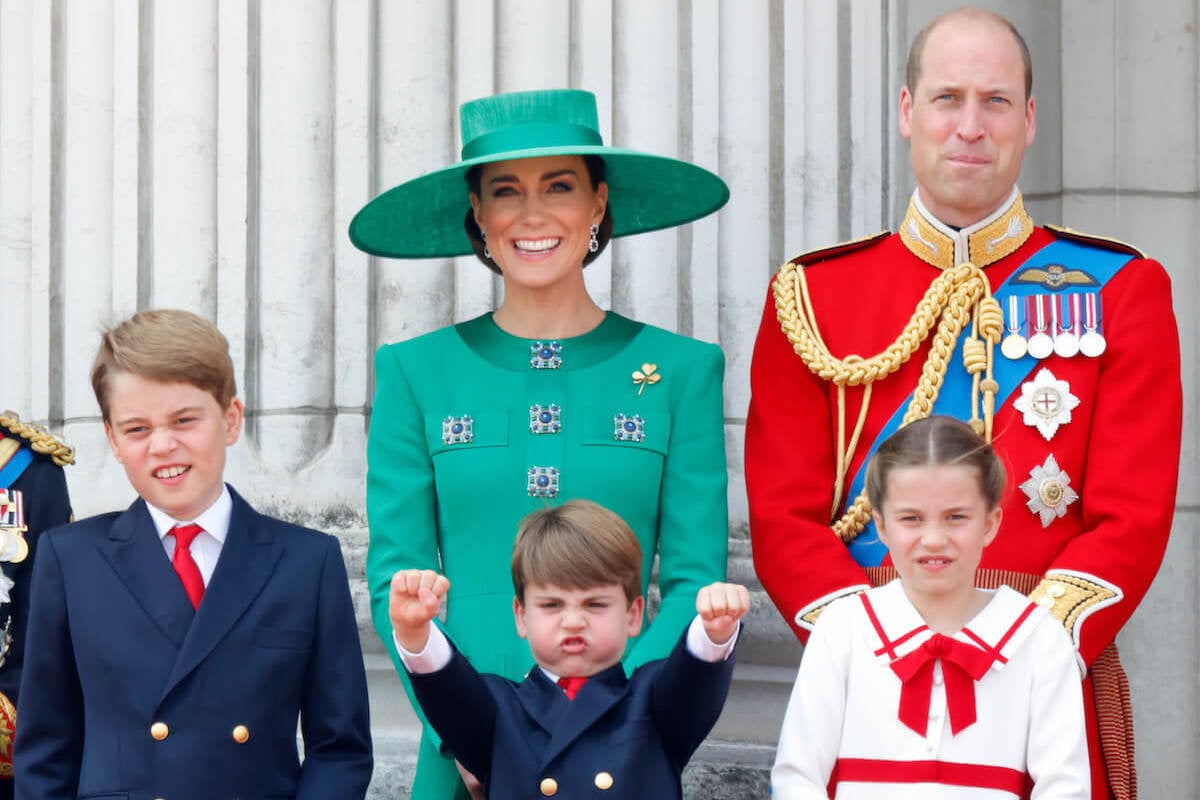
(473, 428)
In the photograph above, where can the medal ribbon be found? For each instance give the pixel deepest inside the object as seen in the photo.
(955, 396)
(962, 665)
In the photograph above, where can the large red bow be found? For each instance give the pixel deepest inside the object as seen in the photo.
(962, 665)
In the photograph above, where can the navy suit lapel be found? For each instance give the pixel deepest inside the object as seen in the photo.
(137, 556)
(247, 559)
(543, 701)
(567, 719)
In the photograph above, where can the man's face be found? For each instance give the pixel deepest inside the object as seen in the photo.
(967, 120)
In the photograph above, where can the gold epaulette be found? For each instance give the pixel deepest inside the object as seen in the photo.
(1099, 241)
(826, 253)
(40, 440)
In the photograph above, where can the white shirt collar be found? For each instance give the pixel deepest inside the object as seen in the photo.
(214, 519)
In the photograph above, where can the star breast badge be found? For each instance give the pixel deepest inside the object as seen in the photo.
(1049, 491)
(1046, 403)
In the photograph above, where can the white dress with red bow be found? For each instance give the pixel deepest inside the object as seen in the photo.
(885, 707)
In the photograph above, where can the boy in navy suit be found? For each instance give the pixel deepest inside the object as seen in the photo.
(173, 646)
(576, 723)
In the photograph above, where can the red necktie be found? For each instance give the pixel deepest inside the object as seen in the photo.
(571, 685)
(962, 665)
(185, 566)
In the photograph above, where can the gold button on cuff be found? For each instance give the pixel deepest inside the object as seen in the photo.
(241, 734)
(159, 731)
(549, 787)
(603, 781)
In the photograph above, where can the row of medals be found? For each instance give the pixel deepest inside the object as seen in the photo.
(1042, 325)
(13, 547)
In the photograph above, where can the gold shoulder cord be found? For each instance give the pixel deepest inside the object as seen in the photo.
(949, 302)
(40, 440)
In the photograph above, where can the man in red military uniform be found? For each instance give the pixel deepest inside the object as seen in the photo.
(1061, 348)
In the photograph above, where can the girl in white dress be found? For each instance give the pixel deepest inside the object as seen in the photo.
(928, 687)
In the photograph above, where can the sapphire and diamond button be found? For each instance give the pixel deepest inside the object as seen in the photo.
(545, 355)
(545, 418)
(458, 430)
(629, 428)
(542, 482)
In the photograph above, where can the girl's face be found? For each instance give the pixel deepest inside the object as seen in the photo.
(935, 522)
(536, 214)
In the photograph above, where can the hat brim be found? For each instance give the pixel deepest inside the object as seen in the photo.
(423, 217)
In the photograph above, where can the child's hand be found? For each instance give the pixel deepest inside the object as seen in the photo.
(720, 606)
(414, 601)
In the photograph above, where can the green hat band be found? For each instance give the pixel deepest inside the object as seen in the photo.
(516, 137)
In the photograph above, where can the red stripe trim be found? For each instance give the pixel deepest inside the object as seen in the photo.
(909, 635)
(946, 773)
(1021, 619)
(889, 646)
(994, 652)
(984, 646)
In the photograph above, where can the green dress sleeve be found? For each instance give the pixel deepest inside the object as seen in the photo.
(693, 517)
(401, 505)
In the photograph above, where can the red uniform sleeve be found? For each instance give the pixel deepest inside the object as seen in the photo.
(1127, 495)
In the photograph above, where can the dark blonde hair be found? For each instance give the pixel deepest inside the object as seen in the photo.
(577, 545)
(936, 441)
(912, 72)
(166, 345)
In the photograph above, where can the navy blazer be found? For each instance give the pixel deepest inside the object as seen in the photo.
(129, 694)
(619, 738)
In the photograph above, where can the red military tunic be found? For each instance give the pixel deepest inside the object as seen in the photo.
(1096, 554)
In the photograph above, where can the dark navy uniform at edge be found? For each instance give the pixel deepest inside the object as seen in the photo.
(33, 496)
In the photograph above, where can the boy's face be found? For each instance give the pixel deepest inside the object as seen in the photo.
(577, 632)
(171, 439)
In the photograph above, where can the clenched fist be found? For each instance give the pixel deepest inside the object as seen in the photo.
(720, 606)
(414, 601)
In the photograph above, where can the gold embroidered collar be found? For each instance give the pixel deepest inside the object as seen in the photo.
(983, 243)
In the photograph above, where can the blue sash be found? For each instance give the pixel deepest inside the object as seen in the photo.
(955, 396)
(15, 466)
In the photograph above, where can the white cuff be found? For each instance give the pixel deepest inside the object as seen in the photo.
(704, 648)
(433, 657)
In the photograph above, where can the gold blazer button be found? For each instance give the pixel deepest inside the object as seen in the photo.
(549, 787)
(159, 731)
(604, 781)
(241, 734)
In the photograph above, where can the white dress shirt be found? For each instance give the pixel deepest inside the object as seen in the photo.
(206, 547)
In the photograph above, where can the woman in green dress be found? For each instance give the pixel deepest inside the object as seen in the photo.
(546, 399)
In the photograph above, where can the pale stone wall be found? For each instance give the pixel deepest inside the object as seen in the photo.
(209, 154)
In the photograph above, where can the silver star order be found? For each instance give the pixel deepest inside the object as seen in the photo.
(6, 583)
(1049, 491)
(1046, 402)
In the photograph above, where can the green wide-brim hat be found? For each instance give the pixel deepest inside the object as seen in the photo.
(423, 218)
